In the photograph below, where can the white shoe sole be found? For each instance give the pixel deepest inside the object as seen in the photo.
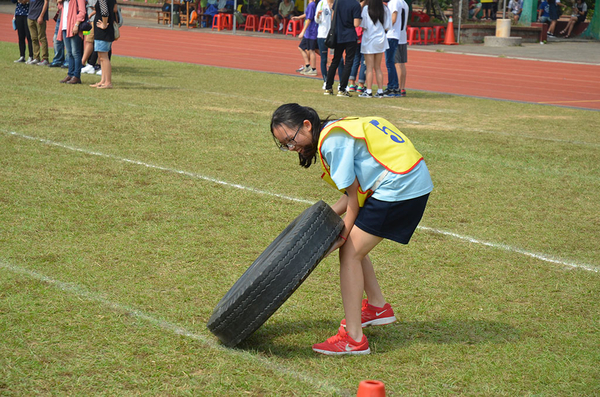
(379, 321)
(353, 353)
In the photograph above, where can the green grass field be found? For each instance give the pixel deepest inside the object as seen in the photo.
(126, 214)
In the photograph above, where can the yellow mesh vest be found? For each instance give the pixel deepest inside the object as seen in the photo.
(388, 146)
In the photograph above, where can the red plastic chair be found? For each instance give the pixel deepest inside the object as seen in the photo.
(265, 24)
(413, 35)
(285, 22)
(229, 21)
(427, 35)
(295, 28)
(251, 22)
(219, 22)
(440, 34)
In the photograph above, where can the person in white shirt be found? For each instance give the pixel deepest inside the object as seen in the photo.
(393, 35)
(401, 56)
(515, 7)
(323, 19)
(376, 21)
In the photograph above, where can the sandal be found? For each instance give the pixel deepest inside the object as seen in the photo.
(108, 87)
(95, 85)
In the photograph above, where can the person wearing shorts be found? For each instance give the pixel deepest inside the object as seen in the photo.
(286, 10)
(385, 184)
(487, 5)
(553, 10)
(401, 56)
(308, 36)
(104, 35)
(578, 15)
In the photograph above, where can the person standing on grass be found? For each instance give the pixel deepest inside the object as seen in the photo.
(376, 21)
(401, 57)
(21, 11)
(323, 19)
(393, 35)
(104, 35)
(308, 37)
(386, 185)
(73, 13)
(347, 18)
(36, 21)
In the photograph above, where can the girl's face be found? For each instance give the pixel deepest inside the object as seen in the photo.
(295, 139)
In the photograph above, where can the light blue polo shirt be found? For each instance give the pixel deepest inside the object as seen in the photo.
(348, 158)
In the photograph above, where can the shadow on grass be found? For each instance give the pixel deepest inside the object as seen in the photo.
(281, 338)
(137, 71)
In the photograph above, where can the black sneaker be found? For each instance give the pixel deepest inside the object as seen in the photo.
(550, 34)
(390, 94)
(328, 92)
(366, 95)
(403, 93)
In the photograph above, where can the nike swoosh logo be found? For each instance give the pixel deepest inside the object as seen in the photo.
(379, 314)
(348, 348)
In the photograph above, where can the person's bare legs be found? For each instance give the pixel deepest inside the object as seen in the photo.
(353, 279)
(552, 27)
(370, 63)
(88, 48)
(372, 289)
(312, 57)
(401, 70)
(305, 56)
(571, 25)
(106, 81)
(378, 72)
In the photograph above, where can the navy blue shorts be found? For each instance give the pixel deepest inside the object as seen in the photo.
(308, 44)
(553, 11)
(395, 221)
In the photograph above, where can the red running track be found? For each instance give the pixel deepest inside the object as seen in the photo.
(564, 84)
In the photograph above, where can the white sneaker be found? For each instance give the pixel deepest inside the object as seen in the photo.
(99, 72)
(310, 72)
(88, 69)
(20, 60)
(324, 84)
(280, 26)
(305, 70)
(32, 61)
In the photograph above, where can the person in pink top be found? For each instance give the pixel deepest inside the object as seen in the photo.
(73, 13)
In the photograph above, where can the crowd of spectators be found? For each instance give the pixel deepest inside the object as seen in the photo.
(83, 37)
(365, 34)
(548, 11)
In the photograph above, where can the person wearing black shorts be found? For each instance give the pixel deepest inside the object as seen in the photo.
(553, 11)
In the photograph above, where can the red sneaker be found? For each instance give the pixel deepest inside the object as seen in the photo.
(342, 343)
(371, 315)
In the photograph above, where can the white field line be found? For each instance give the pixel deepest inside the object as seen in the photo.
(542, 257)
(83, 293)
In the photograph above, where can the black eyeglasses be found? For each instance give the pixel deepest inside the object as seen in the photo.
(291, 144)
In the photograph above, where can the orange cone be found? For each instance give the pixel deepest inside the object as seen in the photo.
(371, 388)
(449, 36)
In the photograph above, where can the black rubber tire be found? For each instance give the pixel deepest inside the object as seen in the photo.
(275, 274)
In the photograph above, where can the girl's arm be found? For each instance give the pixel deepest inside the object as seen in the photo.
(352, 208)
(348, 203)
